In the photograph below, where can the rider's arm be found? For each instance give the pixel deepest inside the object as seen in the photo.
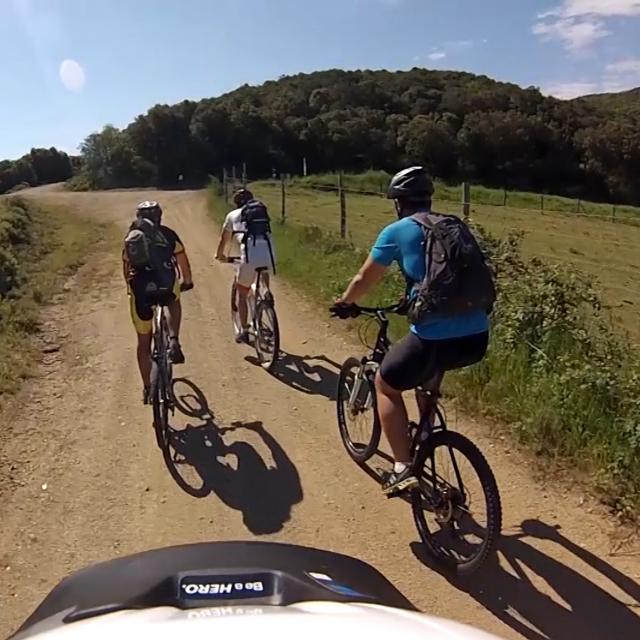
(366, 279)
(184, 266)
(126, 267)
(225, 236)
(383, 253)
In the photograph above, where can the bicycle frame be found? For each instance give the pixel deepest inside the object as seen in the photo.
(426, 394)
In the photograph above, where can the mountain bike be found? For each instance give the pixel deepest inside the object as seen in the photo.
(264, 331)
(445, 509)
(161, 388)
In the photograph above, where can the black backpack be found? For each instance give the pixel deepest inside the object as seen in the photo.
(257, 225)
(146, 247)
(457, 278)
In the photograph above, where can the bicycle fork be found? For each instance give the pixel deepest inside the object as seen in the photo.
(365, 374)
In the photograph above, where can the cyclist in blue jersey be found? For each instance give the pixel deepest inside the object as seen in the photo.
(439, 341)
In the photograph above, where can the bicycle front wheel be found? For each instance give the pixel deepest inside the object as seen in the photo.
(357, 415)
(457, 507)
(267, 338)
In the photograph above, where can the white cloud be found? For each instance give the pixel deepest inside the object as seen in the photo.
(578, 24)
(437, 55)
(575, 35)
(569, 90)
(72, 75)
(620, 75)
(627, 65)
(576, 8)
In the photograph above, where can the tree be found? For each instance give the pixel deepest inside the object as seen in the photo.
(460, 125)
(432, 144)
(110, 161)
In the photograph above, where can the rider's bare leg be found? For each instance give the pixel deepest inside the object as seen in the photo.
(394, 420)
(243, 311)
(144, 358)
(174, 318)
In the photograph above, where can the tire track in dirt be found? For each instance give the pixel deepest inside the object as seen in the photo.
(279, 474)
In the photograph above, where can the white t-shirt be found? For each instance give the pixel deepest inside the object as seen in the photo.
(259, 255)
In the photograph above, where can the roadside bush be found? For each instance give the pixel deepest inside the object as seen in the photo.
(559, 374)
(79, 182)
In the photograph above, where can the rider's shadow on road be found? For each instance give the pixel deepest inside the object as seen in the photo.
(579, 608)
(306, 374)
(236, 472)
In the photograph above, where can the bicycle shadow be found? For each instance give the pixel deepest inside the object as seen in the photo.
(580, 608)
(305, 373)
(236, 472)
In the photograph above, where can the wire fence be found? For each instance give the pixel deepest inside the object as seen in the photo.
(346, 210)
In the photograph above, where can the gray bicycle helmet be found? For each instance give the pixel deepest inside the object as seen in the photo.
(149, 209)
(412, 183)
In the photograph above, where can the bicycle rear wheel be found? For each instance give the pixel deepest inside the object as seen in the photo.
(267, 338)
(458, 518)
(357, 415)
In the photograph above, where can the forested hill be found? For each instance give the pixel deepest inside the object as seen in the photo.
(461, 126)
(39, 166)
(625, 102)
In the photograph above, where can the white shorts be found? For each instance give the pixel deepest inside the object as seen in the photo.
(246, 273)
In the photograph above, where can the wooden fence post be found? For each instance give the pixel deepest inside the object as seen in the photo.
(542, 202)
(343, 208)
(283, 190)
(225, 185)
(578, 206)
(244, 175)
(466, 200)
(504, 199)
(613, 213)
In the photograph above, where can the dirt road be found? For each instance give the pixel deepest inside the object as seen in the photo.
(82, 479)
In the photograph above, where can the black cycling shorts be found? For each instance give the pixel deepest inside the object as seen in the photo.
(412, 361)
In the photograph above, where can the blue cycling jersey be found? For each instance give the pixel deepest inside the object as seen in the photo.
(402, 242)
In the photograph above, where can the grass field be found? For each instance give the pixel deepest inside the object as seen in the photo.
(607, 252)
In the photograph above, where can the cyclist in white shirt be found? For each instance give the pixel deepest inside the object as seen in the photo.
(230, 245)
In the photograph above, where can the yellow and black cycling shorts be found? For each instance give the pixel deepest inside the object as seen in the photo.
(141, 303)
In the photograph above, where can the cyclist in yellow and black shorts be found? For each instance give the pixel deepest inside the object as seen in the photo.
(148, 286)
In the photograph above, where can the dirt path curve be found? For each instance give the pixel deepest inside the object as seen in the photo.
(83, 481)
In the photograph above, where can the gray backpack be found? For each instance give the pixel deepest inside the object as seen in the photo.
(458, 279)
(146, 247)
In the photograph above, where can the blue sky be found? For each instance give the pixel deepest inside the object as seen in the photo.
(71, 66)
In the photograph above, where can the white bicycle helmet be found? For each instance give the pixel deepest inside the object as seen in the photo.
(233, 589)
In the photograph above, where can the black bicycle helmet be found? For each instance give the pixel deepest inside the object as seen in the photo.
(242, 196)
(149, 209)
(412, 183)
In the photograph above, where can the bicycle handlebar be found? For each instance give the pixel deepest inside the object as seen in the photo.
(344, 311)
(394, 308)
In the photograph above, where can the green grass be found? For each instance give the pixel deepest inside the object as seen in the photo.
(556, 372)
(41, 248)
(606, 252)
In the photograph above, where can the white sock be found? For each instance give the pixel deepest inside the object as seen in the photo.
(399, 467)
